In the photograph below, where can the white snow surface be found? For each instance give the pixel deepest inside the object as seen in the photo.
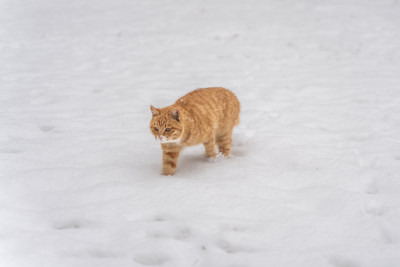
(314, 174)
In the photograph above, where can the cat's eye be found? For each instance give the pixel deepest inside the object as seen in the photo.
(156, 129)
(168, 129)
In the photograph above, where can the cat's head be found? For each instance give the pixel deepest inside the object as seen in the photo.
(166, 124)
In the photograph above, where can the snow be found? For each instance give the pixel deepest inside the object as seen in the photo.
(313, 175)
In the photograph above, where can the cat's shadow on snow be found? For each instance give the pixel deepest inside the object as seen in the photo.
(193, 164)
(190, 163)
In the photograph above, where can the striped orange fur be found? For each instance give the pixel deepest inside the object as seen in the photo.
(204, 116)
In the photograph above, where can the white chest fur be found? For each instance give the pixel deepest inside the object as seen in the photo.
(164, 140)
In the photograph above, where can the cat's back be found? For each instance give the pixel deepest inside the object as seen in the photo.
(212, 95)
(216, 103)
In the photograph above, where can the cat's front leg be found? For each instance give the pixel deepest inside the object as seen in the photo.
(169, 162)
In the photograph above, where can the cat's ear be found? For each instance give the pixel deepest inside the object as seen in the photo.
(154, 111)
(175, 114)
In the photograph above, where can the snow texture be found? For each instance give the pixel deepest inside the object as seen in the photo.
(314, 174)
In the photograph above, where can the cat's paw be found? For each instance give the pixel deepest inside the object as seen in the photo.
(217, 157)
(211, 155)
(168, 172)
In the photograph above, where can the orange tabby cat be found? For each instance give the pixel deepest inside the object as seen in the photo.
(204, 116)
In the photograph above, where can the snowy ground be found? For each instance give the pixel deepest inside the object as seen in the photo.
(314, 175)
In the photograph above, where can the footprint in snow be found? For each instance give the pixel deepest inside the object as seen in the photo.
(228, 227)
(339, 261)
(150, 259)
(372, 187)
(180, 233)
(375, 207)
(67, 225)
(46, 127)
(230, 247)
(161, 217)
(89, 253)
(101, 254)
(9, 150)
